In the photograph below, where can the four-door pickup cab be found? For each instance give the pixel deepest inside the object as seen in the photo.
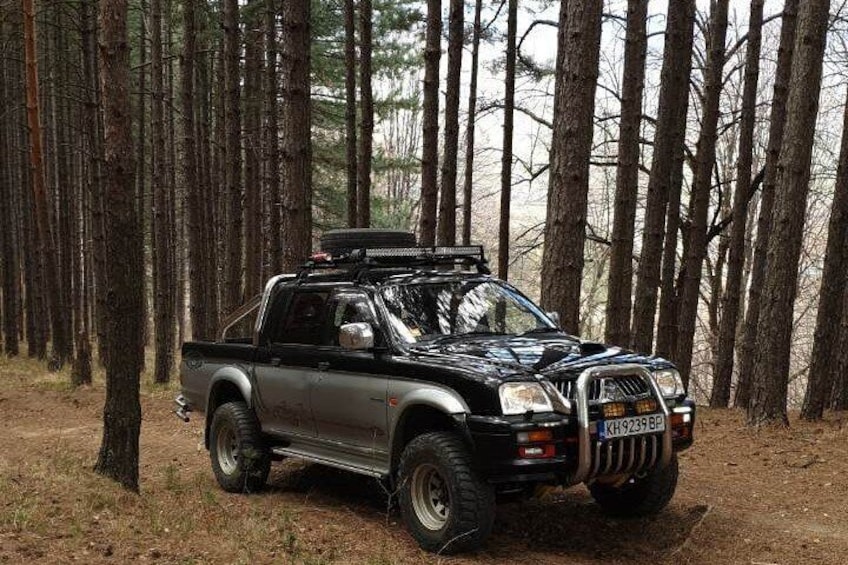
(416, 366)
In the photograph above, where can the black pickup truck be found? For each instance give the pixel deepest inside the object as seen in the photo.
(416, 366)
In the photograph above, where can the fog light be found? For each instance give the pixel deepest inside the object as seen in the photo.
(646, 406)
(536, 452)
(613, 410)
(535, 436)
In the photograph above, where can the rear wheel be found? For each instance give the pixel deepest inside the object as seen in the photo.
(240, 460)
(445, 505)
(639, 496)
(338, 242)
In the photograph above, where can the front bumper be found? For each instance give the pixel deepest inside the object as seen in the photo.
(579, 455)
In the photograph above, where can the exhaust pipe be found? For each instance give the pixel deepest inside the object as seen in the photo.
(183, 408)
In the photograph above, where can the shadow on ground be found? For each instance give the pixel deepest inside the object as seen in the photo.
(567, 525)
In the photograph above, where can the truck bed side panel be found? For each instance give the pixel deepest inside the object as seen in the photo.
(201, 360)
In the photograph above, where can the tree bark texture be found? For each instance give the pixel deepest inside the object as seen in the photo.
(163, 304)
(620, 286)
(232, 293)
(118, 457)
(468, 184)
(777, 121)
(666, 169)
(272, 141)
(506, 154)
(736, 261)
(350, 109)
(447, 203)
(562, 261)
(826, 336)
(47, 244)
(430, 149)
(366, 118)
(701, 187)
(296, 127)
(774, 334)
(252, 122)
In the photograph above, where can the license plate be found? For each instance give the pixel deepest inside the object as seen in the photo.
(633, 426)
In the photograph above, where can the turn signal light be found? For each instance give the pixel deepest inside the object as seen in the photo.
(680, 426)
(536, 452)
(614, 410)
(536, 436)
(646, 406)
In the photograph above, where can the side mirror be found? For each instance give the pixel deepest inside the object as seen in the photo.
(554, 316)
(357, 336)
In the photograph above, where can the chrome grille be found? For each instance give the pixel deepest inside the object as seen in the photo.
(625, 455)
(628, 385)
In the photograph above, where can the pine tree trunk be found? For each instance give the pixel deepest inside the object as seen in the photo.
(46, 242)
(206, 165)
(163, 305)
(191, 185)
(839, 392)
(506, 154)
(562, 261)
(430, 150)
(774, 334)
(447, 203)
(666, 171)
(253, 151)
(468, 186)
(350, 109)
(777, 121)
(8, 234)
(736, 262)
(272, 141)
(118, 457)
(232, 292)
(366, 117)
(835, 271)
(296, 127)
(701, 187)
(627, 177)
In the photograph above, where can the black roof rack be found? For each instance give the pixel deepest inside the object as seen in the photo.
(360, 261)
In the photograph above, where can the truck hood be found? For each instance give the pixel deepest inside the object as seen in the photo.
(555, 356)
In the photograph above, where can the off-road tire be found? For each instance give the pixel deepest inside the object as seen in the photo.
(638, 497)
(248, 469)
(471, 500)
(338, 242)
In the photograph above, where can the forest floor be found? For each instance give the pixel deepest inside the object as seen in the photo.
(774, 496)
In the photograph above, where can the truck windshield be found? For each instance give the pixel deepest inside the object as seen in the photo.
(436, 311)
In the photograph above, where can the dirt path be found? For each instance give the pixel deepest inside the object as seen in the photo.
(777, 496)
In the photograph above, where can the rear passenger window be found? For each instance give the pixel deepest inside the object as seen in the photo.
(305, 319)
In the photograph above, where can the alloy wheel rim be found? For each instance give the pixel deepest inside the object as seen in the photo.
(430, 497)
(227, 448)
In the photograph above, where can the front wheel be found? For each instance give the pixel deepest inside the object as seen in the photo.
(240, 460)
(639, 496)
(445, 505)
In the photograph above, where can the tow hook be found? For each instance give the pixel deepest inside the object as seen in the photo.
(183, 408)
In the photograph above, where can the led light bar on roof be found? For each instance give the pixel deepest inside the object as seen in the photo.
(472, 251)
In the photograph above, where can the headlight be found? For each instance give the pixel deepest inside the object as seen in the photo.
(518, 398)
(669, 382)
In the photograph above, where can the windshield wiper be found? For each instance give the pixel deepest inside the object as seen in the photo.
(542, 330)
(451, 337)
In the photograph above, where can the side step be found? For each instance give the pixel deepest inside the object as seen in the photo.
(301, 454)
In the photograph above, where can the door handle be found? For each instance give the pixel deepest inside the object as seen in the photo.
(276, 361)
(323, 365)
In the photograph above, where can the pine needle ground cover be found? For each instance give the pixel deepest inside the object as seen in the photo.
(773, 496)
